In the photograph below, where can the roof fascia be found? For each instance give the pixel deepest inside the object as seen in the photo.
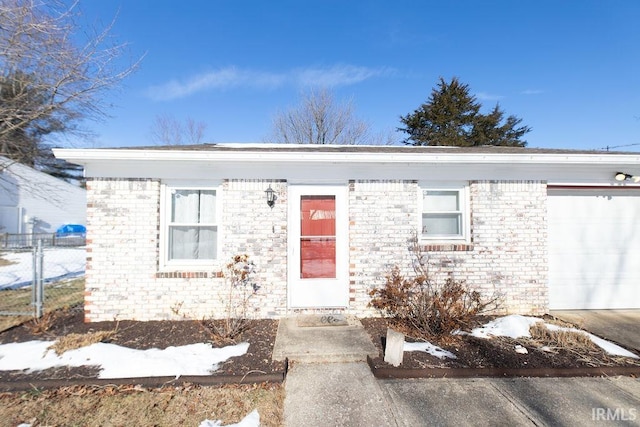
(87, 156)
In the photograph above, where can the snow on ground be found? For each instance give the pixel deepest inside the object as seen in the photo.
(607, 346)
(513, 326)
(516, 326)
(120, 362)
(251, 420)
(427, 347)
(58, 264)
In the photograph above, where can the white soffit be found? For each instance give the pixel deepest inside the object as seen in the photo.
(382, 164)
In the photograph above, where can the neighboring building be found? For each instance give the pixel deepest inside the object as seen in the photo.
(34, 202)
(545, 228)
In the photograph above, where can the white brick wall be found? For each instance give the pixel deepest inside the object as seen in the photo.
(382, 219)
(123, 243)
(250, 226)
(507, 253)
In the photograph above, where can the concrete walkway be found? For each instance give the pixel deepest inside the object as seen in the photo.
(329, 384)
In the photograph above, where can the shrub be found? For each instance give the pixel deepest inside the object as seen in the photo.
(425, 306)
(240, 288)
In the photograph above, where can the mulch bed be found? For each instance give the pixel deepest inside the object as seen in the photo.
(475, 356)
(492, 357)
(254, 366)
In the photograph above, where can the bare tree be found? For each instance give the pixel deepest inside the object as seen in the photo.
(320, 120)
(49, 81)
(167, 130)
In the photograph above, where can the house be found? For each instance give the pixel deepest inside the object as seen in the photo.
(547, 229)
(34, 202)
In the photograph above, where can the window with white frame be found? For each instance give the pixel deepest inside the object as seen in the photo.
(190, 229)
(444, 213)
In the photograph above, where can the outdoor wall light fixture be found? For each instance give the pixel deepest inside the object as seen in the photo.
(271, 196)
(621, 176)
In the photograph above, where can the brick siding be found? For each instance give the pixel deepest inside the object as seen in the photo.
(507, 252)
(123, 279)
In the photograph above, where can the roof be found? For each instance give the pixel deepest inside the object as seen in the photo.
(268, 147)
(315, 163)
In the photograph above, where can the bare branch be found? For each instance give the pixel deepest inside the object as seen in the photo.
(49, 82)
(167, 130)
(320, 120)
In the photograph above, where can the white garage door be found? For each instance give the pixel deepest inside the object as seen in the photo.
(594, 248)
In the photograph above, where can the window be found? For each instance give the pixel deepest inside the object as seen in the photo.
(318, 237)
(444, 214)
(190, 229)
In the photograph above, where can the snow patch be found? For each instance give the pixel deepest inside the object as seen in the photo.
(427, 347)
(513, 326)
(607, 346)
(120, 362)
(251, 420)
(58, 264)
(517, 326)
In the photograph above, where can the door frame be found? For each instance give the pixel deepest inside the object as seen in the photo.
(327, 293)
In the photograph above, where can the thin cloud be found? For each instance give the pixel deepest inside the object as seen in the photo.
(531, 92)
(488, 96)
(338, 75)
(223, 78)
(231, 77)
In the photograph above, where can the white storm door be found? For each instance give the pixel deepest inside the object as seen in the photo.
(318, 246)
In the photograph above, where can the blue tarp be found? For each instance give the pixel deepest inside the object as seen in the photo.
(71, 230)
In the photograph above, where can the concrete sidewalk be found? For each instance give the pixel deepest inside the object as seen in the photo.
(328, 384)
(514, 401)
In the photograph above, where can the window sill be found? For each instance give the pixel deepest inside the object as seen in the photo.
(446, 247)
(188, 274)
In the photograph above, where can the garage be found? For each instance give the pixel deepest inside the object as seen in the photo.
(594, 247)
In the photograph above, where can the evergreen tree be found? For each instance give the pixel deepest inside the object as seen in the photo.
(452, 116)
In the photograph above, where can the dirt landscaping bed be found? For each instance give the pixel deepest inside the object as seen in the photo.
(253, 367)
(75, 396)
(496, 357)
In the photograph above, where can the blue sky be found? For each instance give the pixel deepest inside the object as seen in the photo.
(569, 69)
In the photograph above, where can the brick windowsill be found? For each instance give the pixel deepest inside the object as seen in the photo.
(188, 274)
(447, 247)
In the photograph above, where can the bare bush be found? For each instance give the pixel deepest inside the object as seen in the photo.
(240, 288)
(426, 306)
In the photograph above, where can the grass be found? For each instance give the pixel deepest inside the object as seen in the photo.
(58, 295)
(123, 405)
(74, 341)
(134, 405)
(5, 262)
(576, 343)
(572, 340)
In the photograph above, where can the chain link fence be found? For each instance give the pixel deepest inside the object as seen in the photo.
(39, 274)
